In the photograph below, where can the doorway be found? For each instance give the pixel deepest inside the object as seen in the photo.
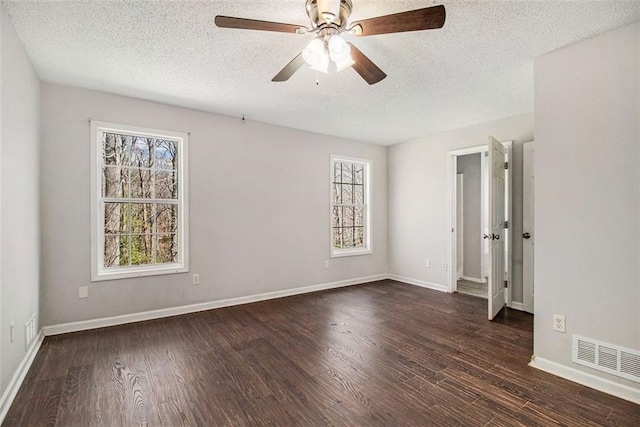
(471, 257)
(479, 223)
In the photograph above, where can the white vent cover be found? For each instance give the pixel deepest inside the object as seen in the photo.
(615, 360)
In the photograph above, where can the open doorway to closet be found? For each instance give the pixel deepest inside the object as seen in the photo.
(471, 253)
(481, 210)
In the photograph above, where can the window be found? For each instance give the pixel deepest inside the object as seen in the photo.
(350, 207)
(139, 202)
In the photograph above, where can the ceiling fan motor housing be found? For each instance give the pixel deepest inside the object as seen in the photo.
(329, 12)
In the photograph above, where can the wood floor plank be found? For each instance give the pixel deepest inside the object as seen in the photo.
(384, 353)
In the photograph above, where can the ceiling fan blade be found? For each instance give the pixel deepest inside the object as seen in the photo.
(365, 67)
(288, 71)
(428, 18)
(254, 24)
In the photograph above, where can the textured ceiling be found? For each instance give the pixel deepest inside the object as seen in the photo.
(479, 67)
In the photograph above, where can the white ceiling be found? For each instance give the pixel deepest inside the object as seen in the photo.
(478, 67)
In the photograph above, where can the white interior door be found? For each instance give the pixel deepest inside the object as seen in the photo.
(528, 235)
(459, 226)
(496, 227)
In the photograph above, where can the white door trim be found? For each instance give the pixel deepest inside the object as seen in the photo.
(460, 226)
(509, 214)
(528, 225)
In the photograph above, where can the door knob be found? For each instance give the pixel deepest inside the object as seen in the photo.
(526, 235)
(496, 237)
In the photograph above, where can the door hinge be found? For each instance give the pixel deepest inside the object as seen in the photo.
(506, 224)
(506, 165)
(506, 284)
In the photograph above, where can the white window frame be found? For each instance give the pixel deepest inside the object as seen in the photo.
(368, 249)
(98, 271)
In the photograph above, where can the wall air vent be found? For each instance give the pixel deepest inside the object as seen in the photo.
(615, 360)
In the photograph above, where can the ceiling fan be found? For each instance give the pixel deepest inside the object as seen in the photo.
(328, 22)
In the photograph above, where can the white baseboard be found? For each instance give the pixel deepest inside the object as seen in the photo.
(601, 384)
(421, 283)
(18, 377)
(474, 279)
(193, 308)
(517, 305)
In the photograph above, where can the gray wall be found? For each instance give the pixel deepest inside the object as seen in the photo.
(587, 198)
(471, 167)
(419, 196)
(259, 208)
(19, 224)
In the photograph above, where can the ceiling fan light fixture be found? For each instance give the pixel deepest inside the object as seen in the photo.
(316, 56)
(344, 64)
(340, 53)
(339, 50)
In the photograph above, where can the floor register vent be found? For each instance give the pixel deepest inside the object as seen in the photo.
(613, 359)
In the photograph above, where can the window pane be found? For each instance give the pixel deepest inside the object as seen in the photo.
(358, 216)
(166, 248)
(337, 193)
(142, 218)
(347, 237)
(116, 251)
(115, 149)
(141, 249)
(347, 193)
(358, 237)
(116, 218)
(167, 218)
(141, 183)
(358, 194)
(347, 217)
(166, 154)
(358, 176)
(337, 238)
(166, 185)
(114, 181)
(337, 168)
(141, 152)
(336, 221)
(347, 175)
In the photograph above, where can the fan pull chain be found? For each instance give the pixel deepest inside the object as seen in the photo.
(317, 79)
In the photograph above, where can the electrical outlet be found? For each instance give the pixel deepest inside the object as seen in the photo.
(12, 331)
(444, 266)
(427, 263)
(196, 279)
(559, 323)
(83, 292)
(326, 264)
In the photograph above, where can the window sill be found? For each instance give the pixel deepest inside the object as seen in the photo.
(138, 272)
(345, 253)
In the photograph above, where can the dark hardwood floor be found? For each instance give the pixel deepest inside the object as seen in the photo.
(385, 353)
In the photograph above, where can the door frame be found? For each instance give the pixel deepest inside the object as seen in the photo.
(508, 201)
(528, 225)
(452, 157)
(452, 174)
(459, 225)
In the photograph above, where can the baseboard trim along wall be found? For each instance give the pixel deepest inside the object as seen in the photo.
(421, 283)
(19, 376)
(473, 279)
(193, 308)
(586, 379)
(517, 305)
